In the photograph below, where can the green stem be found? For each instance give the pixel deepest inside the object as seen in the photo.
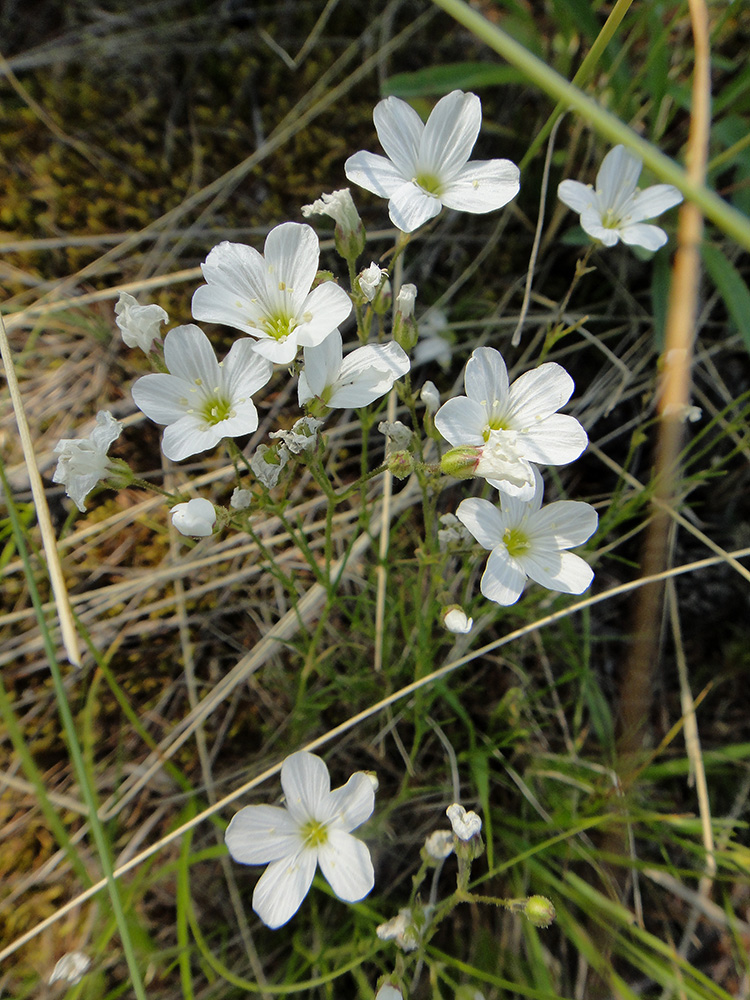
(723, 215)
(589, 64)
(74, 748)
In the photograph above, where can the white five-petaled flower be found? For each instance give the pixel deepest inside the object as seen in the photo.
(138, 324)
(427, 166)
(197, 517)
(313, 829)
(465, 824)
(268, 295)
(201, 400)
(355, 380)
(514, 425)
(616, 209)
(83, 462)
(528, 540)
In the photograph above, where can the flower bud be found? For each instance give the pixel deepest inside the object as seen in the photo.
(539, 911)
(196, 517)
(350, 233)
(461, 462)
(456, 620)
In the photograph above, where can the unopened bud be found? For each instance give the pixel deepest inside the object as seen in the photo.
(461, 462)
(539, 910)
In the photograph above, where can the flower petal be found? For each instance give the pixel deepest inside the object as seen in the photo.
(486, 377)
(163, 398)
(555, 441)
(537, 394)
(291, 255)
(280, 352)
(462, 421)
(346, 864)
(353, 803)
(188, 355)
(373, 173)
(307, 785)
(245, 371)
(449, 135)
(555, 570)
(482, 186)
(503, 579)
(324, 308)
(643, 235)
(190, 435)
(259, 834)
(368, 373)
(322, 366)
(400, 130)
(653, 201)
(283, 886)
(236, 291)
(565, 522)
(576, 195)
(410, 207)
(617, 178)
(483, 519)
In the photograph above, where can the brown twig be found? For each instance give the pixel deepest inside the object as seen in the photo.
(673, 399)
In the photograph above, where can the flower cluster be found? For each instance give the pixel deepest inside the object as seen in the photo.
(285, 313)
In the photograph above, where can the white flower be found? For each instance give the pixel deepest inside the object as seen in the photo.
(465, 824)
(370, 279)
(268, 295)
(338, 206)
(356, 380)
(202, 401)
(528, 540)
(405, 300)
(313, 829)
(617, 209)
(83, 462)
(439, 844)
(430, 397)
(456, 620)
(196, 517)
(426, 166)
(515, 425)
(138, 324)
(70, 968)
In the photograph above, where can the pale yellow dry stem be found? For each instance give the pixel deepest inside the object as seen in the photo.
(674, 399)
(354, 721)
(49, 541)
(385, 522)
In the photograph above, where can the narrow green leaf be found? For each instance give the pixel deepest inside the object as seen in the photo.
(454, 76)
(732, 288)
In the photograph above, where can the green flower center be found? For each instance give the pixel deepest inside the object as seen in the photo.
(314, 834)
(279, 327)
(430, 184)
(216, 409)
(515, 541)
(611, 220)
